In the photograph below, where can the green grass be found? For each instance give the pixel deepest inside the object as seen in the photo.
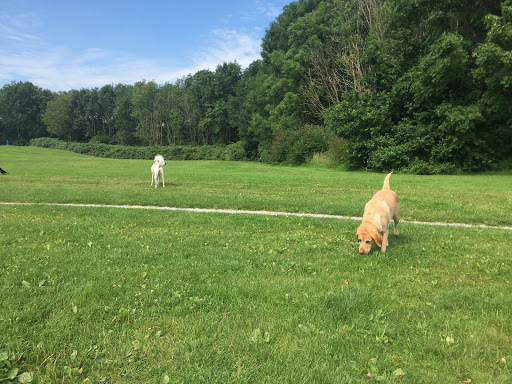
(45, 175)
(107, 295)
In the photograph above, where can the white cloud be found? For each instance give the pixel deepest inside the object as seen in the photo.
(270, 10)
(227, 45)
(26, 56)
(16, 28)
(59, 69)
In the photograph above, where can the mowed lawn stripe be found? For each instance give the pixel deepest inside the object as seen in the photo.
(248, 212)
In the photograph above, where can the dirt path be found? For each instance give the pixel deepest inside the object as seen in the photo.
(246, 212)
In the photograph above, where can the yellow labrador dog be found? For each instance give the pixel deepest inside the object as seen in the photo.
(377, 216)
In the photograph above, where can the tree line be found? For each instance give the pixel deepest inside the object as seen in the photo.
(423, 86)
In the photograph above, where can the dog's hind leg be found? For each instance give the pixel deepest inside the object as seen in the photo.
(396, 219)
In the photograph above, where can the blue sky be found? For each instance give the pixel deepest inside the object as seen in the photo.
(66, 44)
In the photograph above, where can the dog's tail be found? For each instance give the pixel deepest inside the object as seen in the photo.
(386, 181)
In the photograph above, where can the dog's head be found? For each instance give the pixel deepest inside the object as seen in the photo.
(366, 236)
(159, 159)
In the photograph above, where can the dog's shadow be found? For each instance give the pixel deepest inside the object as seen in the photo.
(398, 243)
(167, 185)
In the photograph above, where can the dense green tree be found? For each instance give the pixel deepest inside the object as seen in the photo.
(201, 89)
(107, 106)
(124, 123)
(312, 55)
(148, 128)
(168, 105)
(224, 113)
(493, 74)
(428, 84)
(58, 117)
(277, 36)
(21, 107)
(80, 113)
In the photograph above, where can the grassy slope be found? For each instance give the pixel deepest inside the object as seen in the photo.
(137, 296)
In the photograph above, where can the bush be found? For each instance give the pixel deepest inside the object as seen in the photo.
(105, 139)
(281, 144)
(337, 152)
(236, 151)
(296, 147)
(421, 167)
(171, 152)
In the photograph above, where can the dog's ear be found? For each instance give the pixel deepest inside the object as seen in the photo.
(359, 233)
(377, 238)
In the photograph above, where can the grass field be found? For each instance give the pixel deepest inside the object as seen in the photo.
(108, 295)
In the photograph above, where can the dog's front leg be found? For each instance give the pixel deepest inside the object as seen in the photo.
(384, 241)
(163, 180)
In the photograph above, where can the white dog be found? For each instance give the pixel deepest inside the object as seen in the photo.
(157, 170)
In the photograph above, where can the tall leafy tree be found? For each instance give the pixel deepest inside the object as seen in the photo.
(58, 117)
(493, 73)
(106, 102)
(201, 89)
(124, 122)
(333, 53)
(224, 123)
(148, 126)
(21, 107)
(81, 119)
